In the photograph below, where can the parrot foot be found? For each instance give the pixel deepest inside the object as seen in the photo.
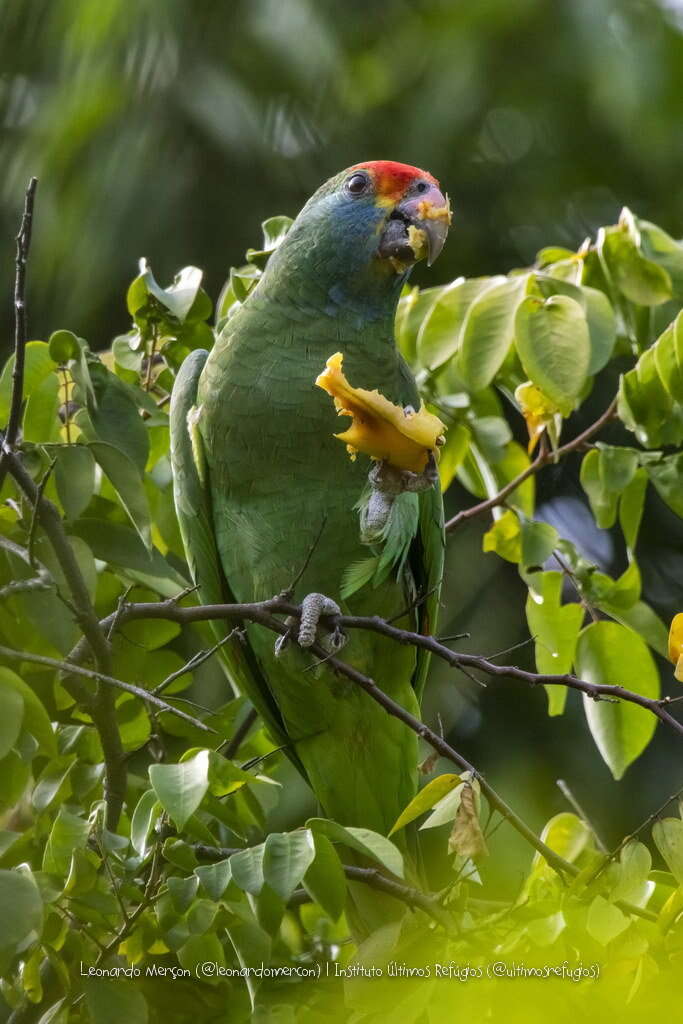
(387, 479)
(313, 608)
(387, 482)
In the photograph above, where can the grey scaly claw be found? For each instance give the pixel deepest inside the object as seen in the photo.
(387, 482)
(313, 608)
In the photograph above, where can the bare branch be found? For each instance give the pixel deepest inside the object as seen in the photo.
(100, 677)
(23, 241)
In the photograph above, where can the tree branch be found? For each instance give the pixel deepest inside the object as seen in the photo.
(542, 459)
(428, 902)
(264, 612)
(119, 684)
(23, 241)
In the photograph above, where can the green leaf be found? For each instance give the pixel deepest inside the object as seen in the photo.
(41, 422)
(22, 909)
(63, 346)
(668, 837)
(121, 546)
(286, 859)
(75, 478)
(114, 415)
(663, 250)
(631, 507)
(428, 796)
(445, 809)
(605, 921)
(440, 331)
(180, 788)
(68, 833)
(38, 364)
(144, 815)
(609, 653)
(637, 278)
(325, 881)
(202, 949)
(35, 719)
(125, 479)
(369, 843)
(488, 331)
(452, 453)
(113, 1000)
(11, 716)
(567, 835)
(667, 477)
(554, 347)
(603, 501)
(247, 869)
(556, 629)
(538, 542)
(214, 878)
(635, 863)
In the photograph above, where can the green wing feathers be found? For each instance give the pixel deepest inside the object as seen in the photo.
(193, 508)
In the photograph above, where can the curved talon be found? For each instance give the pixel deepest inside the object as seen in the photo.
(284, 639)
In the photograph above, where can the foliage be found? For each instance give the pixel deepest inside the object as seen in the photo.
(192, 870)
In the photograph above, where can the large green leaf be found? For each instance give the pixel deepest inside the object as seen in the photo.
(555, 628)
(35, 719)
(369, 843)
(11, 716)
(668, 835)
(69, 832)
(609, 653)
(440, 332)
(325, 881)
(286, 859)
(111, 1000)
(38, 364)
(125, 479)
(22, 909)
(637, 278)
(554, 347)
(180, 788)
(75, 478)
(488, 331)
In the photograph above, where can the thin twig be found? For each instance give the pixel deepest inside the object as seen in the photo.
(288, 592)
(193, 663)
(542, 459)
(100, 677)
(571, 799)
(34, 512)
(233, 745)
(586, 605)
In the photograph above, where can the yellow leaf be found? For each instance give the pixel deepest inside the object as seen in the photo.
(425, 799)
(379, 428)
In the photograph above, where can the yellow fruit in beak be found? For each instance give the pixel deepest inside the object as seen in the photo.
(380, 429)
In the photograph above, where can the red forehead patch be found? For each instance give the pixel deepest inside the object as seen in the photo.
(392, 178)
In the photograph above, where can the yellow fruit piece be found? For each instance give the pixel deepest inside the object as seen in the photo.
(379, 428)
(676, 645)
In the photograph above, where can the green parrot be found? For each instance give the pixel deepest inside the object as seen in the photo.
(263, 487)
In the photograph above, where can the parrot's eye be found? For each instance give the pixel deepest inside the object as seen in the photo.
(357, 184)
(422, 186)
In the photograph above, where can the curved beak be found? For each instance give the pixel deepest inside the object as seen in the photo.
(417, 227)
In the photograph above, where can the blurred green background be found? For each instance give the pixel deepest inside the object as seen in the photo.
(171, 128)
